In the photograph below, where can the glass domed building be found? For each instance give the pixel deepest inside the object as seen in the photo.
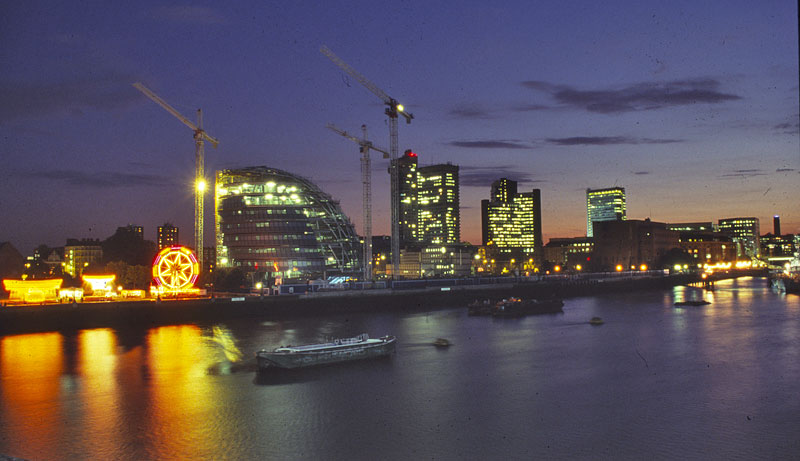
(271, 223)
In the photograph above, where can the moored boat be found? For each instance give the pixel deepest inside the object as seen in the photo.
(339, 350)
(516, 307)
(484, 307)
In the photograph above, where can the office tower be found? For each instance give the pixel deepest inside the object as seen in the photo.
(776, 225)
(438, 218)
(604, 205)
(167, 236)
(407, 195)
(272, 223)
(512, 221)
(745, 232)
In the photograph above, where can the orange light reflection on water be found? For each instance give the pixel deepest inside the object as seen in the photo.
(97, 365)
(183, 396)
(30, 369)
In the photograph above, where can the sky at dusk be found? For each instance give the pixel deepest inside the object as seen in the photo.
(691, 106)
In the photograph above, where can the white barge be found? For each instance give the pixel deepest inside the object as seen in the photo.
(339, 350)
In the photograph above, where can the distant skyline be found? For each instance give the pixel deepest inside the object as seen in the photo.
(693, 107)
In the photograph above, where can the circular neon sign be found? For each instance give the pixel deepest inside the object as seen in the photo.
(175, 268)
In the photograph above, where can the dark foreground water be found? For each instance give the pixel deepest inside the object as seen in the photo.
(720, 381)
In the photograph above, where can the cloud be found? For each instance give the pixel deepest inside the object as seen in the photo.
(104, 92)
(607, 140)
(784, 170)
(744, 173)
(791, 126)
(637, 97)
(470, 111)
(189, 14)
(478, 176)
(489, 144)
(530, 107)
(641, 173)
(100, 180)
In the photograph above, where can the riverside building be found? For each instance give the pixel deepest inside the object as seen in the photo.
(407, 188)
(438, 219)
(273, 224)
(429, 205)
(745, 232)
(604, 205)
(511, 222)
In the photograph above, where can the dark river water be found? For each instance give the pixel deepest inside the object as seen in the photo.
(720, 381)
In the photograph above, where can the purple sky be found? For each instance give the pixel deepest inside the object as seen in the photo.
(691, 106)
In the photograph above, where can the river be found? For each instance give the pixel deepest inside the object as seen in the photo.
(656, 381)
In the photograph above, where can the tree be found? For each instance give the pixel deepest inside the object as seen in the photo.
(673, 257)
(229, 279)
(130, 277)
(128, 247)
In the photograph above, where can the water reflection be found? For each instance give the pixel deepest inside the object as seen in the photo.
(660, 379)
(31, 367)
(178, 357)
(97, 367)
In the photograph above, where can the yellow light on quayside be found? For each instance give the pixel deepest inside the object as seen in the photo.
(619, 267)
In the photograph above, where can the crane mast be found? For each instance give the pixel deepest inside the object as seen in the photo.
(393, 110)
(366, 182)
(200, 136)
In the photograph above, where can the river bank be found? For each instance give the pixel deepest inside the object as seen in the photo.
(60, 317)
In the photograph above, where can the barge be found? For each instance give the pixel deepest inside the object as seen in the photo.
(338, 350)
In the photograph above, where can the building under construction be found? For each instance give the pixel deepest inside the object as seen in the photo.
(273, 224)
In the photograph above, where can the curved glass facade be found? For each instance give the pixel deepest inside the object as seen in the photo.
(275, 224)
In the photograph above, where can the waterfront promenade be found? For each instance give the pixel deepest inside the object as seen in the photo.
(75, 316)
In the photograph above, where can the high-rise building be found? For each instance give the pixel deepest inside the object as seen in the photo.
(776, 225)
(604, 205)
(745, 232)
(429, 209)
(512, 221)
(271, 223)
(438, 219)
(168, 236)
(407, 188)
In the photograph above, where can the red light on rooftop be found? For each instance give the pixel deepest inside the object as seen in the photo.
(410, 154)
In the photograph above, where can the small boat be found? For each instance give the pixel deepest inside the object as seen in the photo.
(480, 307)
(516, 307)
(692, 303)
(442, 342)
(596, 321)
(339, 350)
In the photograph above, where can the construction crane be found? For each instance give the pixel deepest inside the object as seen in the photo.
(366, 182)
(200, 136)
(393, 109)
